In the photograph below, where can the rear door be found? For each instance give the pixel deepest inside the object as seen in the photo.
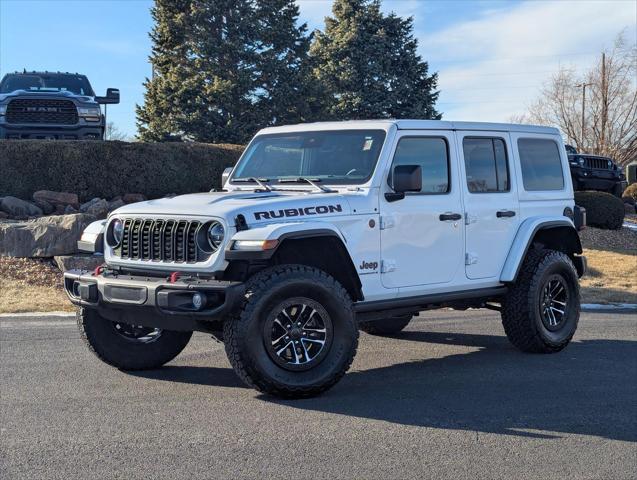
(492, 210)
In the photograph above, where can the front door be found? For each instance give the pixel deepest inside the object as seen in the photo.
(422, 234)
(491, 206)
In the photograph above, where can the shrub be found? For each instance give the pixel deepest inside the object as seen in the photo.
(107, 169)
(603, 210)
(631, 192)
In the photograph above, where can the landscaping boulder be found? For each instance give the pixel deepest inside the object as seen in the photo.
(69, 210)
(43, 237)
(57, 198)
(98, 207)
(133, 198)
(115, 204)
(3, 215)
(16, 208)
(78, 262)
(45, 206)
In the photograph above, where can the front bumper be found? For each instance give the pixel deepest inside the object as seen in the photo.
(26, 132)
(154, 301)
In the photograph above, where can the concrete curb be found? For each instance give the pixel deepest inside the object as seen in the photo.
(611, 307)
(38, 314)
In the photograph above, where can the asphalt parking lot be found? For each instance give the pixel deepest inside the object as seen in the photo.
(448, 398)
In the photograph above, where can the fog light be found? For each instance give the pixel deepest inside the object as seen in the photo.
(198, 301)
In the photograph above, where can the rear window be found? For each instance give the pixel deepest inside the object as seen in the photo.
(541, 164)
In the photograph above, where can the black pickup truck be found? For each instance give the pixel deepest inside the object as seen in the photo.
(48, 105)
(594, 172)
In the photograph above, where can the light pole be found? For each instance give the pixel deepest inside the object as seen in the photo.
(583, 86)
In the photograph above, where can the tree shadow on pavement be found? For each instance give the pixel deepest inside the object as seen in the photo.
(590, 388)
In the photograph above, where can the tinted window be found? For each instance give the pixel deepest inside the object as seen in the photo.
(52, 82)
(431, 154)
(338, 157)
(541, 164)
(485, 161)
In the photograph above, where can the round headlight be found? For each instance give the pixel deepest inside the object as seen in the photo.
(216, 234)
(118, 231)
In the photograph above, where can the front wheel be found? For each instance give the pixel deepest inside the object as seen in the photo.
(541, 310)
(129, 347)
(295, 334)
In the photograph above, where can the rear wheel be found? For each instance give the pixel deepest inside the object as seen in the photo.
(129, 347)
(386, 326)
(295, 334)
(541, 310)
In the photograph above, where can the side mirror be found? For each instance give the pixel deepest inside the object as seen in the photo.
(405, 178)
(112, 96)
(225, 175)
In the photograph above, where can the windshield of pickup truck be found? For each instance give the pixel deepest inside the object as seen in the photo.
(77, 84)
(331, 157)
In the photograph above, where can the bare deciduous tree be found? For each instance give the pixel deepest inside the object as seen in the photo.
(114, 133)
(610, 116)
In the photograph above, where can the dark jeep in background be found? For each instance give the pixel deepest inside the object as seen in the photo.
(594, 172)
(46, 105)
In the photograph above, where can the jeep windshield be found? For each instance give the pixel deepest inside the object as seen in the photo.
(332, 157)
(47, 82)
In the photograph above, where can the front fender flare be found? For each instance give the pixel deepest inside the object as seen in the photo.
(280, 232)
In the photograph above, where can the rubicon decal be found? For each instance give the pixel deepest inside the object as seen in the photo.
(298, 212)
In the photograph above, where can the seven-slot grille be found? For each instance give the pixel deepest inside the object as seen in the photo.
(161, 240)
(37, 110)
(596, 162)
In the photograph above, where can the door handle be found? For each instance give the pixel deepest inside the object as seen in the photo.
(505, 213)
(449, 216)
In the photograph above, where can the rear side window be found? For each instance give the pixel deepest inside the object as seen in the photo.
(485, 162)
(431, 154)
(541, 164)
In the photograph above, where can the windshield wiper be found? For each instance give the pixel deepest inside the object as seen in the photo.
(259, 181)
(306, 180)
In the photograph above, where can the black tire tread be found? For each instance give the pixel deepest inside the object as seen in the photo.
(261, 282)
(518, 305)
(173, 344)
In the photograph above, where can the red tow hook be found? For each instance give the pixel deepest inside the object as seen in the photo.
(174, 277)
(98, 270)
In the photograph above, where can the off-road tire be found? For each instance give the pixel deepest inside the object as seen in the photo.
(245, 342)
(102, 339)
(521, 307)
(386, 326)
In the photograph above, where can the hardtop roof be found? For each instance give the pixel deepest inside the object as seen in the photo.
(412, 125)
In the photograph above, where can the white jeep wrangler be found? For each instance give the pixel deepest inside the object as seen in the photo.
(325, 228)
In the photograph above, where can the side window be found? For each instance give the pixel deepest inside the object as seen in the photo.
(431, 153)
(486, 165)
(541, 164)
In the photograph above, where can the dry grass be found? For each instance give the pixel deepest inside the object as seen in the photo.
(611, 277)
(30, 285)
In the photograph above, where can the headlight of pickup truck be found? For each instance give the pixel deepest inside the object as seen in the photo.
(115, 232)
(90, 114)
(3, 109)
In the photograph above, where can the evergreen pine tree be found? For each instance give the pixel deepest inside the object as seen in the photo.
(223, 69)
(368, 65)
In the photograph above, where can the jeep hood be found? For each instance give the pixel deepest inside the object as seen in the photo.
(254, 206)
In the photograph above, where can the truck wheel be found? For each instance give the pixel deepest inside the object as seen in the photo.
(294, 335)
(541, 310)
(386, 326)
(129, 347)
